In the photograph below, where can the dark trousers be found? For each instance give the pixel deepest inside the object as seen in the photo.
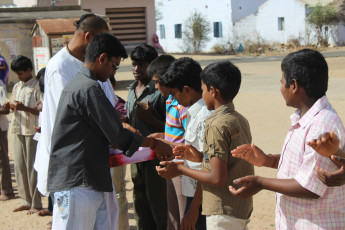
(201, 222)
(149, 196)
(5, 170)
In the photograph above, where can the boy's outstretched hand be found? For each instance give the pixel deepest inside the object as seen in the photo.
(327, 144)
(187, 152)
(250, 153)
(169, 171)
(250, 187)
(333, 179)
(144, 111)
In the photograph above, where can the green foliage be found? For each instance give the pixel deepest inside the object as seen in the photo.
(320, 17)
(196, 31)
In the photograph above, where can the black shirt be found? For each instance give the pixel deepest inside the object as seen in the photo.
(85, 124)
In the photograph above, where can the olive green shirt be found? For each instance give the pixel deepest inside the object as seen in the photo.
(226, 129)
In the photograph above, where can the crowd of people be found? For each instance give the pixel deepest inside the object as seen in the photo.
(65, 120)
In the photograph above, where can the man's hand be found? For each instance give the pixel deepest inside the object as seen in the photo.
(251, 153)
(163, 151)
(333, 179)
(7, 105)
(131, 128)
(327, 144)
(250, 187)
(187, 152)
(156, 135)
(169, 171)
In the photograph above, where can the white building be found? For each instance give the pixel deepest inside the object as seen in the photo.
(239, 21)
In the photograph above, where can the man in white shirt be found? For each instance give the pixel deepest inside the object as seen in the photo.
(60, 70)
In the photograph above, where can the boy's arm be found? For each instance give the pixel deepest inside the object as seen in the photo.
(256, 156)
(20, 106)
(254, 184)
(191, 217)
(4, 111)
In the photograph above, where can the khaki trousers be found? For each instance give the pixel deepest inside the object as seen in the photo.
(26, 176)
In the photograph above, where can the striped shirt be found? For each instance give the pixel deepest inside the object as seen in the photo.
(298, 161)
(176, 121)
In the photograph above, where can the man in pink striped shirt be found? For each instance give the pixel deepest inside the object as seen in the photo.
(303, 201)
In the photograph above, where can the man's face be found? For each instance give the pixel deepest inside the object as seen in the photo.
(110, 68)
(162, 89)
(286, 92)
(181, 96)
(140, 70)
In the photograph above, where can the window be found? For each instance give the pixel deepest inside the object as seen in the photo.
(281, 24)
(217, 30)
(178, 30)
(162, 31)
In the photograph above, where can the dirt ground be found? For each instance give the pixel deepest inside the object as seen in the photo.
(259, 100)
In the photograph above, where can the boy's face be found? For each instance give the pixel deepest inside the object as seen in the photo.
(140, 70)
(162, 89)
(24, 75)
(287, 92)
(181, 96)
(207, 96)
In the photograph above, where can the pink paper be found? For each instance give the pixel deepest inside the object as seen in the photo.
(117, 158)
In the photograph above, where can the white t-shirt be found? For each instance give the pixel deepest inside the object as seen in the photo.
(61, 68)
(194, 135)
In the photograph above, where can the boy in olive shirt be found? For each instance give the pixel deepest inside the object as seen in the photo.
(225, 129)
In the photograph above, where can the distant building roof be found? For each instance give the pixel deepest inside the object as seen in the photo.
(57, 26)
(31, 14)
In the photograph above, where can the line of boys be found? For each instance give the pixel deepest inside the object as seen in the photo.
(214, 149)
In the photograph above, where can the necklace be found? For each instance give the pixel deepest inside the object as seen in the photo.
(69, 51)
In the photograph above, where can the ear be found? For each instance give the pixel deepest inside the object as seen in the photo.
(87, 37)
(103, 58)
(214, 91)
(187, 88)
(294, 86)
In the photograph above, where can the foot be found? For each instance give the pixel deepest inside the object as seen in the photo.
(50, 223)
(7, 197)
(45, 212)
(22, 208)
(33, 211)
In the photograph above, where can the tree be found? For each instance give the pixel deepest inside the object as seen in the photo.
(196, 31)
(321, 17)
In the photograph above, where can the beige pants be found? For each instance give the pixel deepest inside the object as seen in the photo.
(26, 176)
(224, 222)
(119, 174)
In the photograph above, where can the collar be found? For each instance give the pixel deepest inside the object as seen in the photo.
(296, 118)
(28, 82)
(150, 86)
(223, 109)
(196, 107)
(87, 72)
(172, 101)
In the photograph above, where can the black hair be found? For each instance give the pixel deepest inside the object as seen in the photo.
(224, 76)
(309, 68)
(144, 53)
(91, 23)
(21, 63)
(159, 66)
(40, 78)
(104, 43)
(183, 72)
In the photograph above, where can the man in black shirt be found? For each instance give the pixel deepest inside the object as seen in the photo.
(85, 123)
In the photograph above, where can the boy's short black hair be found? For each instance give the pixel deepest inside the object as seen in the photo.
(40, 78)
(183, 72)
(144, 53)
(91, 23)
(159, 66)
(224, 76)
(21, 63)
(309, 68)
(104, 43)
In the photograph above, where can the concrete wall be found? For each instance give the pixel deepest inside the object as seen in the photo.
(17, 34)
(98, 7)
(177, 11)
